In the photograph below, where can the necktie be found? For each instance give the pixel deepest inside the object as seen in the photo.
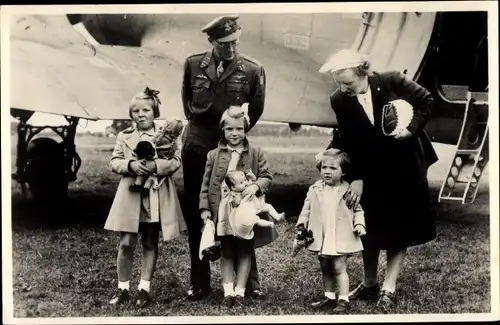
(220, 69)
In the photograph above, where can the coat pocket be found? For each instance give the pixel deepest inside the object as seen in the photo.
(203, 96)
(238, 90)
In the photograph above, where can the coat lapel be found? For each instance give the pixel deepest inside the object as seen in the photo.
(231, 68)
(132, 139)
(377, 90)
(208, 65)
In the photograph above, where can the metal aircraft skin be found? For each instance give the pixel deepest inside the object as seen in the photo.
(69, 76)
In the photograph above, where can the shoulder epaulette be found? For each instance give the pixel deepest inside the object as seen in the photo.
(197, 54)
(250, 59)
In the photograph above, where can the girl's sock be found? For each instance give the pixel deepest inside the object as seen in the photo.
(346, 298)
(144, 285)
(239, 292)
(330, 295)
(124, 285)
(228, 289)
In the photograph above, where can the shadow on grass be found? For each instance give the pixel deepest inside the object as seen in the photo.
(89, 209)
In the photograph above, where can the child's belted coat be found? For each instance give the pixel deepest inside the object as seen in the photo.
(311, 216)
(215, 171)
(125, 210)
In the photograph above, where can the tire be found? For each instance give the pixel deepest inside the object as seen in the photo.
(45, 171)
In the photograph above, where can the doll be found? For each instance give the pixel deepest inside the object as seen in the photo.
(163, 145)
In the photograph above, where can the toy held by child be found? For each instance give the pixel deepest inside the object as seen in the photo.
(162, 144)
(336, 229)
(303, 238)
(237, 181)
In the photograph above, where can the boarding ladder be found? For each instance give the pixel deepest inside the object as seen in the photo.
(471, 154)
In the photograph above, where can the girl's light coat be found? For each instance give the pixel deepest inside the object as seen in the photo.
(125, 210)
(311, 216)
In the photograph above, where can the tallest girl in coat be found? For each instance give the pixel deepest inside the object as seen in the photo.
(389, 173)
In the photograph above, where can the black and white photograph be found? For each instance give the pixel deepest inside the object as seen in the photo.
(327, 162)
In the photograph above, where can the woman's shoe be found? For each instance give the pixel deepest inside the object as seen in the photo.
(121, 296)
(361, 292)
(324, 303)
(385, 301)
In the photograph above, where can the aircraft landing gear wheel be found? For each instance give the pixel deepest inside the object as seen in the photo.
(45, 171)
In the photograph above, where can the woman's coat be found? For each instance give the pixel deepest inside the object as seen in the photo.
(394, 172)
(125, 210)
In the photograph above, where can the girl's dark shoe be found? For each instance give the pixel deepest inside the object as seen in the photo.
(120, 297)
(324, 303)
(364, 293)
(342, 306)
(228, 301)
(385, 301)
(239, 301)
(143, 299)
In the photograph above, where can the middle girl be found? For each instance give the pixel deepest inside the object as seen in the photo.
(234, 153)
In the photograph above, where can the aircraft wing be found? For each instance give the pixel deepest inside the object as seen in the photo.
(55, 70)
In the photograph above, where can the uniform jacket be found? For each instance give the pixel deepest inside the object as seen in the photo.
(374, 155)
(346, 240)
(125, 210)
(205, 97)
(216, 169)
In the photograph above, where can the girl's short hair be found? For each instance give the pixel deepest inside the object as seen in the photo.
(335, 154)
(147, 94)
(229, 179)
(235, 112)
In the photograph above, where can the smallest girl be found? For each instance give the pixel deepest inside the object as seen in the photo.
(336, 228)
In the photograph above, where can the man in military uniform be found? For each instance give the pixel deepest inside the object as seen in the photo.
(213, 81)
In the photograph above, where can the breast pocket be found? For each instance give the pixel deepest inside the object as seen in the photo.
(238, 89)
(203, 95)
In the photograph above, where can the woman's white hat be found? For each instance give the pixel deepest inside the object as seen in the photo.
(396, 116)
(243, 219)
(343, 59)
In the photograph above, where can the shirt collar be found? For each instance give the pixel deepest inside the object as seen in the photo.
(238, 149)
(149, 132)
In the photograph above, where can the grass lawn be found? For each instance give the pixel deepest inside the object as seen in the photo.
(64, 262)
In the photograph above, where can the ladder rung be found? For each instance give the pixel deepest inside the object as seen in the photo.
(455, 198)
(467, 151)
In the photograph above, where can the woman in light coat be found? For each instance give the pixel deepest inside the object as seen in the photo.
(133, 212)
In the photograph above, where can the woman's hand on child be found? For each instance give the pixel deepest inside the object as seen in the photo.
(360, 230)
(353, 194)
(250, 191)
(205, 215)
(139, 168)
